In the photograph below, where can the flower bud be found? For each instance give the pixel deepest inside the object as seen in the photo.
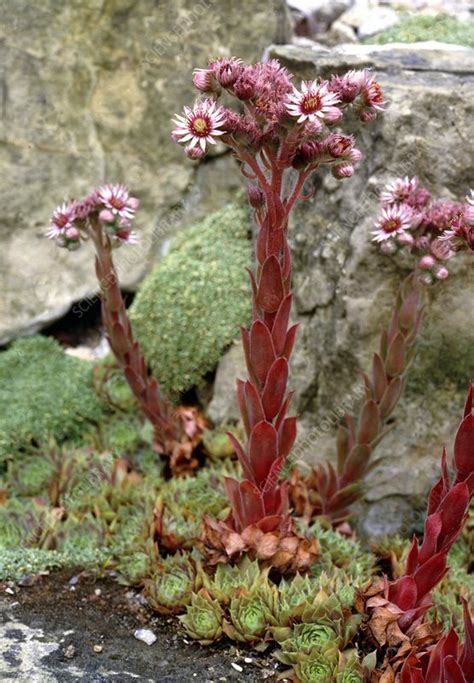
(133, 203)
(256, 196)
(368, 115)
(426, 278)
(194, 152)
(72, 234)
(342, 171)
(426, 262)
(441, 249)
(106, 216)
(313, 127)
(333, 115)
(355, 155)
(244, 88)
(405, 239)
(205, 81)
(441, 273)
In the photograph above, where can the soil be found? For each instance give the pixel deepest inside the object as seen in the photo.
(67, 629)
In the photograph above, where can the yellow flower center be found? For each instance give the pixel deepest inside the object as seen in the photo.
(391, 225)
(200, 126)
(311, 103)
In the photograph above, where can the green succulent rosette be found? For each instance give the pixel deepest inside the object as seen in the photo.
(294, 596)
(171, 588)
(252, 613)
(306, 638)
(203, 618)
(316, 668)
(228, 579)
(338, 553)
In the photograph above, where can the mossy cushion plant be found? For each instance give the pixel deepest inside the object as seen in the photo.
(43, 393)
(417, 28)
(192, 304)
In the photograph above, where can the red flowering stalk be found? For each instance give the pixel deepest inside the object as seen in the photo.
(327, 491)
(395, 610)
(433, 230)
(282, 137)
(105, 217)
(447, 661)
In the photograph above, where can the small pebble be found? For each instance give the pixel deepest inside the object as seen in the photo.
(9, 590)
(248, 660)
(73, 580)
(145, 635)
(69, 651)
(98, 648)
(237, 667)
(98, 591)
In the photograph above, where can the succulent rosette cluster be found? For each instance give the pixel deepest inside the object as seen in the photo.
(395, 611)
(280, 136)
(110, 204)
(430, 229)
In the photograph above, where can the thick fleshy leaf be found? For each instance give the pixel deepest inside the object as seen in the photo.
(430, 574)
(242, 456)
(275, 387)
(263, 450)
(445, 647)
(441, 488)
(404, 593)
(355, 464)
(433, 525)
(262, 352)
(453, 509)
(464, 449)
(395, 362)
(342, 447)
(261, 244)
(369, 423)
(286, 436)
(270, 286)
(379, 378)
(271, 484)
(467, 656)
(290, 341)
(409, 310)
(345, 496)
(390, 397)
(240, 390)
(283, 410)
(280, 324)
(253, 404)
(412, 559)
(452, 671)
(253, 284)
(252, 502)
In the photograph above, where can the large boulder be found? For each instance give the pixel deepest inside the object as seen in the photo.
(344, 287)
(89, 90)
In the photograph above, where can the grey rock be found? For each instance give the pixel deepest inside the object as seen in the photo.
(223, 407)
(89, 90)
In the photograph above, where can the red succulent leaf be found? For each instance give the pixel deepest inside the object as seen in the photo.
(355, 464)
(270, 287)
(342, 446)
(263, 445)
(396, 356)
(467, 657)
(283, 410)
(242, 456)
(379, 377)
(453, 509)
(464, 443)
(390, 397)
(286, 436)
(262, 352)
(430, 574)
(280, 324)
(369, 423)
(433, 525)
(409, 310)
(275, 387)
(253, 404)
(250, 501)
(261, 243)
(254, 294)
(452, 672)
(240, 384)
(404, 593)
(445, 647)
(412, 559)
(290, 341)
(441, 488)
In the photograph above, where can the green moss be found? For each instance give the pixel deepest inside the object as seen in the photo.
(190, 307)
(43, 393)
(418, 28)
(20, 562)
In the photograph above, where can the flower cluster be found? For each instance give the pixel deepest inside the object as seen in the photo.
(275, 110)
(111, 204)
(432, 230)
